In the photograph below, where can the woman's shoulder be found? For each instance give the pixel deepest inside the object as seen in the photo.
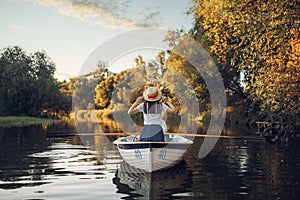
(164, 106)
(140, 107)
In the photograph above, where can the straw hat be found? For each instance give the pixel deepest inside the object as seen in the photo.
(152, 94)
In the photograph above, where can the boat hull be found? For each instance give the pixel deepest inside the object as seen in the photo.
(152, 156)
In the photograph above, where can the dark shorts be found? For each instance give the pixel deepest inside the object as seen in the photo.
(152, 133)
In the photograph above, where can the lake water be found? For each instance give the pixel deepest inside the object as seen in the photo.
(35, 166)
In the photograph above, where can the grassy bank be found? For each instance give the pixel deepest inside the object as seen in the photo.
(19, 121)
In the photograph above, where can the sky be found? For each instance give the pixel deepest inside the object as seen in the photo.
(70, 30)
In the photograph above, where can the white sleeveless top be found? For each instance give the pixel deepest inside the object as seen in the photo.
(154, 118)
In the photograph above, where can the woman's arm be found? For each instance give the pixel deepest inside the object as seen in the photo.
(133, 109)
(171, 108)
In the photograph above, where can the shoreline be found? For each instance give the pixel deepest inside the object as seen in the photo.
(21, 121)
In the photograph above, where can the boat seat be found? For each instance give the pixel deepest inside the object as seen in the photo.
(152, 132)
(172, 139)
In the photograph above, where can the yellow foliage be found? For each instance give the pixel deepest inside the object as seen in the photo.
(259, 38)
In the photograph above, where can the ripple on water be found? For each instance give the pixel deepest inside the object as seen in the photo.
(62, 169)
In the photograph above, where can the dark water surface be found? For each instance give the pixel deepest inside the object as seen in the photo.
(33, 166)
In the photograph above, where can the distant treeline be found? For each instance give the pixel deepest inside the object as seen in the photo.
(28, 86)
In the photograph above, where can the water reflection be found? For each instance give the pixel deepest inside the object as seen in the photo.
(163, 184)
(33, 166)
(92, 121)
(239, 169)
(16, 168)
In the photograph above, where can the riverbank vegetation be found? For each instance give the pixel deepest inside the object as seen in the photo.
(19, 121)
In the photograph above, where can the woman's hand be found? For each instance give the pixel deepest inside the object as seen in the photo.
(171, 108)
(133, 109)
(140, 99)
(164, 98)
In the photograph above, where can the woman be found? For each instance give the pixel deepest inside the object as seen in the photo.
(154, 125)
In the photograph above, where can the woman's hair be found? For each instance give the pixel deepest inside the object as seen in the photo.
(152, 107)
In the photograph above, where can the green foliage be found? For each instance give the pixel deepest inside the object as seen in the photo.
(27, 84)
(182, 75)
(119, 91)
(259, 40)
(114, 91)
(83, 92)
(18, 121)
(104, 92)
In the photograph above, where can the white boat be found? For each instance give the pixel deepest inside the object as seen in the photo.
(152, 156)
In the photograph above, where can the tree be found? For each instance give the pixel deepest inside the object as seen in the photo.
(104, 91)
(278, 90)
(194, 84)
(259, 40)
(28, 86)
(161, 58)
(15, 79)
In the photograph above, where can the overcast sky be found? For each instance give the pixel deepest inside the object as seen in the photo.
(69, 30)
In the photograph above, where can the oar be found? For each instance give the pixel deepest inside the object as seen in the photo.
(254, 137)
(180, 134)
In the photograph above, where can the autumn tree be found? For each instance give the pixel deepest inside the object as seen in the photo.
(120, 90)
(194, 83)
(104, 91)
(256, 45)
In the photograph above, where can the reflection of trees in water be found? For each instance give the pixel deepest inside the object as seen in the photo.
(61, 127)
(107, 121)
(96, 121)
(102, 147)
(16, 144)
(236, 169)
(105, 126)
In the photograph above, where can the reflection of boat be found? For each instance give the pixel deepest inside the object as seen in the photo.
(163, 184)
(152, 156)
